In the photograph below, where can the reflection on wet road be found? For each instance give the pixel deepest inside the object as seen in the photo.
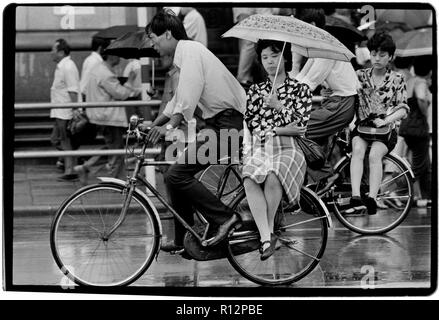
(399, 259)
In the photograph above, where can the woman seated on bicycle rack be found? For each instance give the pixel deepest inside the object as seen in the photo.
(382, 101)
(273, 162)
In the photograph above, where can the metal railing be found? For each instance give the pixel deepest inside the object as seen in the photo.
(75, 153)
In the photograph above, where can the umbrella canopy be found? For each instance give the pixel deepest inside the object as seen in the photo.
(343, 31)
(305, 38)
(115, 32)
(417, 42)
(132, 45)
(412, 18)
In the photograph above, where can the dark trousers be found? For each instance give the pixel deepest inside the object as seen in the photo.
(421, 163)
(334, 114)
(186, 192)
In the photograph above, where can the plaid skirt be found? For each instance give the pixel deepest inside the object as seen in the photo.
(282, 156)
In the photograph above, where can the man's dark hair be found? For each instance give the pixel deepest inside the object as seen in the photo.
(312, 15)
(403, 62)
(167, 20)
(422, 65)
(62, 45)
(276, 46)
(99, 42)
(382, 41)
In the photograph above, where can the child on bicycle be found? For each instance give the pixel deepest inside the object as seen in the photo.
(382, 102)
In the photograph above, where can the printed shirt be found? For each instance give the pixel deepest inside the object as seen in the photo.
(204, 81)
(385, 99)
(296, 98)
(66, 79)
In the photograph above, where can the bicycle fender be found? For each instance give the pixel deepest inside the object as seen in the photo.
(405, 163)
(141, 193)
(322, 204)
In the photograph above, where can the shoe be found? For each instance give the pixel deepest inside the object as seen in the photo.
(68, 177)
(356, 206)
(421, 203)
(371, 205)
(225, 228)
(170, 246)
(60, 165)
(267, 253)
(81, 169)
(381, 204)
(329, 183)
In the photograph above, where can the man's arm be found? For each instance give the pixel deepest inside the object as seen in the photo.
(317, 73)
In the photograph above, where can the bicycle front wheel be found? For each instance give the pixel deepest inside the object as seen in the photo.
(302, 233)
(80, 243)
(394, 197)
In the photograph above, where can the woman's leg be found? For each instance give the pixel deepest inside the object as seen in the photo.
(273, 194)
(258, 207)
(359, 147)
(376, 154)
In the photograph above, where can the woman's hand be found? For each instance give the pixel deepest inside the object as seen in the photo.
(379, 122)
(156, 133)
(291, 130)
(273, 102)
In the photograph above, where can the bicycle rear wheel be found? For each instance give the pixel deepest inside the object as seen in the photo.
(302, 232)
(79, 242)
(395, 197)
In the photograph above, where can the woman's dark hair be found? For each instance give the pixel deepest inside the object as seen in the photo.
(62, 45)
(382, 41)
(276, 46)
(310, 15)
(167, 20)
(422, 65)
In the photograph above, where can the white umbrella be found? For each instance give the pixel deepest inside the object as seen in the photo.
(305, 39)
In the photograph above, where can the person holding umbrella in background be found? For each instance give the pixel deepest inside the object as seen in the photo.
(271, 105)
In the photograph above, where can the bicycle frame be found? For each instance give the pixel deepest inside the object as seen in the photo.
(131, 185)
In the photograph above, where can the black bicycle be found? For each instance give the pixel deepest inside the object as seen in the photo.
(108, 234)
(395, 195)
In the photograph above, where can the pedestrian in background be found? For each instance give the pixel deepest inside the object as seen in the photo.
(65, 89)
(194, 24)
(91, 61)
(415, 128)
(103, 86)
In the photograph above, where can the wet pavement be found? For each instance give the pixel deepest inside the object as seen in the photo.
(400, 259)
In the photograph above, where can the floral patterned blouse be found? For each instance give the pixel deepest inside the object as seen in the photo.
(296, 98)
(386, 98)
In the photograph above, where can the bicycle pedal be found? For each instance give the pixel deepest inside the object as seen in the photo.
(177, 252)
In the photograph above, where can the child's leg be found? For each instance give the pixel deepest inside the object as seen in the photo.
(377, 152)
(359, 147)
